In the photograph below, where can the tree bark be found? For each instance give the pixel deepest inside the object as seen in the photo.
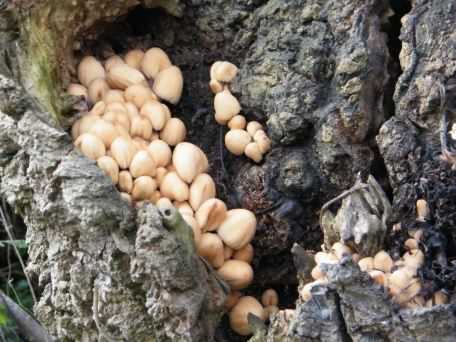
(318, 72)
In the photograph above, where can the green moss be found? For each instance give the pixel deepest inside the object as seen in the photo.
(40, 63)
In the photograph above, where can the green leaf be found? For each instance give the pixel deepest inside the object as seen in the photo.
(3, 316)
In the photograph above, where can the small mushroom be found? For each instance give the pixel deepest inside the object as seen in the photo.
(143, 188)
(414, 258)
(155, 197)
(263, 141)
(86, 123)
(227, 252)
(116, 107)
(326, 258)
(160, 152)
(110, 168)
(244, 254)
(411, 244)
(174, 187)
(189, 161)
(168, 84)
(154, 61)
(98, 109)
(123, 150)
(383, 262)
(156, 113)
(184, 208)
(97, 90)
(226, 106)
(140, 127)
(126, 197)
(113, 61)
(379, 277)
(134, 58)
(224, 71)
(399, 280)
(440, 298)
(202, 189)
(232, 299)
(252, 151)
(317, 273)
(90, 69)
(125, 181)
(214, 66)
(366, 264)
(104, 130)
(211, 214)
(422, 210)
(161, 172)
(123, 76)
(139, 94)
(174, 132)
(210, 247)
(236, 140)
(237, 122)
(78, 90)
(253, 127)
(407, 293)
(132, 111)
(238, 228)
(240, 312)
(164, 202)
(113, 95)
(91, 146)
(216, 86)
(142, 164)
(270, 297)
(238, 274)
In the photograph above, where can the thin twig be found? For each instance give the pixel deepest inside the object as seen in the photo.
(7, 227)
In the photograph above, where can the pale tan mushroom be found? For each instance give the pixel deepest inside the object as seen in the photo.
(90, 69)
(201, 189)
(238, 274)
(238, 229)
(239, 314)
(168, 84)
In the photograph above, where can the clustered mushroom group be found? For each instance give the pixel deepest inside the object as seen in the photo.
(398, 277)
(242, 138)
(135, 140)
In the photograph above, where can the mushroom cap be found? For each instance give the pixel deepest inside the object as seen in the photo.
(122, 76)
(125, 181)
(232, 299)
(383, 262)
(140, 127)
(143, 188)
(168, 84)
(97, 89)
(113, 95)
(154, 61)
(113, 61)
(142, 164)
(133, 58)
(90, 69)
(263, 141)
(237, 122)
(110, 168)
(123, 150)
(270, 297)
(91, 146)
(224, 71)
(202, 189)
(236, 140)
(156, 112)
(189, 161)
(238, 274)
(244, 254)
(226, 106)
(238, 228)
(173, 187)
(239, 314)
(366, 264)
(104, 130)
(253, 127)
(98, 109)
(210, 247)
(174, 132)
(252, 151)
(211, 214)
(139, 94)
(160, 152)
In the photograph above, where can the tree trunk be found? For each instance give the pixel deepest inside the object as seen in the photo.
(320, 73)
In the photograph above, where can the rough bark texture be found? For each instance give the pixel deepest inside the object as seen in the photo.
(315, 71)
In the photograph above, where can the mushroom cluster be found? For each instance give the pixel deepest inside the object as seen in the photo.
(398, 277)
(240, 306)
(135, 140)
(245, 138)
